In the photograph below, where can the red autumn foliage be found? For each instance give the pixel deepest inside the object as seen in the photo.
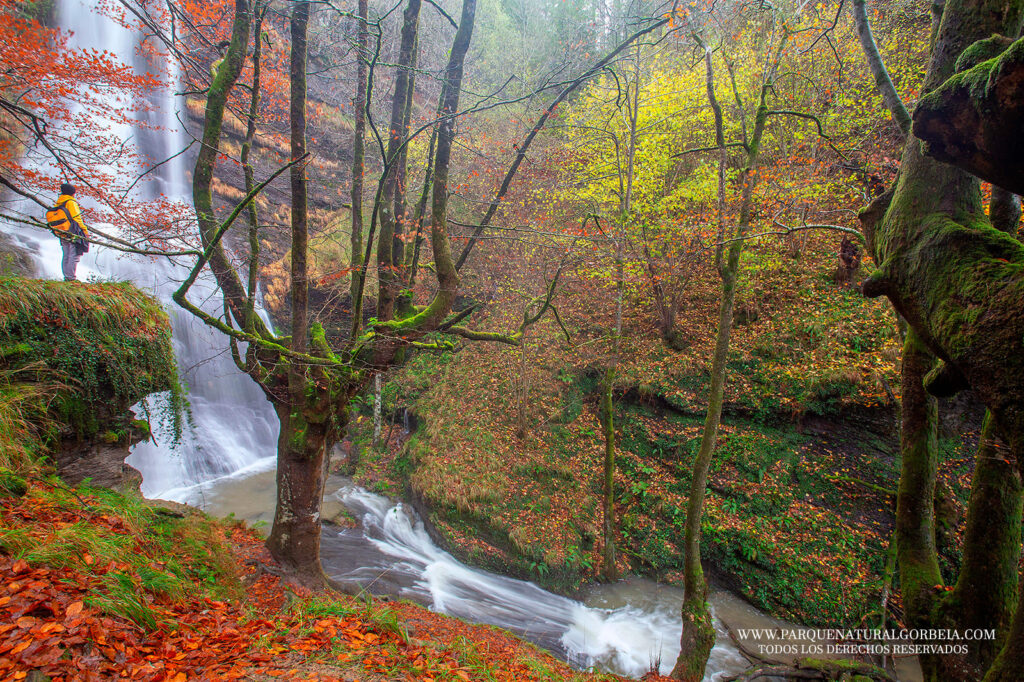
(49, 622)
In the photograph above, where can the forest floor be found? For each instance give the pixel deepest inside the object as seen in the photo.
(98, 585)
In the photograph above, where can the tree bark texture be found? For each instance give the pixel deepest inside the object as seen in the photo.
(883, 82)
(389, 257)
(954, 278)
(915, 508)
(358, 155)
(957, 280)
(974, 119)
(206, 161)
(985, 595)
(295, 536)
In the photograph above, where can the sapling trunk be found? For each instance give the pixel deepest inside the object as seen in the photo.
(358, 156)
(698, 631)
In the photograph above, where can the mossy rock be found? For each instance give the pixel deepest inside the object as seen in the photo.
(12, 485)
(106, 346)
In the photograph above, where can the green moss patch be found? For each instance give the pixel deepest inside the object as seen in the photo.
(77, 355)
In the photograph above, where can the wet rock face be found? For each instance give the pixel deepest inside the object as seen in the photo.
(101, 461)
(15, 259)
(103, 465)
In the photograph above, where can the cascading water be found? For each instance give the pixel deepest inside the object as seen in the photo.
(618, 631)
(624, 628)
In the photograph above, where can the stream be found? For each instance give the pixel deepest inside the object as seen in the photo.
(623, 628)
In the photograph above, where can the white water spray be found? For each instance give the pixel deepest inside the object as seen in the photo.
(624, 628)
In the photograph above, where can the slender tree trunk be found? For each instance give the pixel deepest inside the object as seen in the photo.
(358, 156)
(403, 300)
(387, 263)
(421, 206)
(250, 182)
(915, 508)
(377, 404)
(626, 173)
(206, 161)
(446, 268)
(882, 80)
(609, 567)
(698, 630)
(524, 386)
(295, 537)
(300, 228)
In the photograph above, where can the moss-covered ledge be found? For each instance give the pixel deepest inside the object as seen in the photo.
(973, 120)
(74, 357)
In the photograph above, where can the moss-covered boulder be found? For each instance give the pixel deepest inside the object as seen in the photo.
(74, 357)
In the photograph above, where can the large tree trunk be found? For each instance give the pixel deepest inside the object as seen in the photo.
(301, 466)
(974, 119)
(957, 281)
(985, 595)
(1010, 660)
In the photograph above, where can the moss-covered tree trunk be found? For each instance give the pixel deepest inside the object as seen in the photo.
(358, 153)
(310, 385)
(915, 508)
(609, 558)
(224, 79)
(985, 594)
(698, 630)
(1010, 662)
(391, 205)
(959, 283)
(252, 215)
(295, 537)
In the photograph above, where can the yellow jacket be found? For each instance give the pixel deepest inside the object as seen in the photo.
(74, 211)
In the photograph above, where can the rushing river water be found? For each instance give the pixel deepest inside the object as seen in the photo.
(625, 627)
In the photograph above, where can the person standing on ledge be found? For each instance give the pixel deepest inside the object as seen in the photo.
(65, 219)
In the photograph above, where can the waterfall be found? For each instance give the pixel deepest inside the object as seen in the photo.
(232, 427)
